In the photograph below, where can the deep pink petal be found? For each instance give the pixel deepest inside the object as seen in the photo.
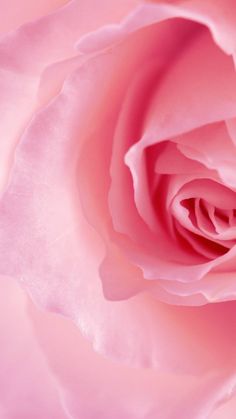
(219, 16)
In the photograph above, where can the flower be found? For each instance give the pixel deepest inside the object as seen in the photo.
(118, 208)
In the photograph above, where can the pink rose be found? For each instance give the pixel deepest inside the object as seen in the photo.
(118, 209)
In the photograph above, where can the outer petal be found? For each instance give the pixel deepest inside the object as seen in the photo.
(226, 409)
(95, 387)
(27, 52)
(14, 14)
(24, 54)
(27, 387)
(218, 16)
(89, 385)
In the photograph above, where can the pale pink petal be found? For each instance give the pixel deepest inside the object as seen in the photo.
(217, 16)
(227, 408)
(96, 387)
(125, 280)
(216, 286)
(27, 386)
(231, 127)
(15, 13)
(26, 52)
(51, 358)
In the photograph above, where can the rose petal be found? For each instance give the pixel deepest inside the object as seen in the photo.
(61, 362)
(26, 52)
(207, 227)
(219, 16)
(227, 408)
(212, 146)
(15, 14)
(124, 281)
(171, 161)
(123, 391)
(27, 387)
(213, 192)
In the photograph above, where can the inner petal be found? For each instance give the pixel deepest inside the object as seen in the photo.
(129, 179)
(209, 249)
(212, 146)
(165, 119)
(227, 233)
(203, 219)
(197, 223)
